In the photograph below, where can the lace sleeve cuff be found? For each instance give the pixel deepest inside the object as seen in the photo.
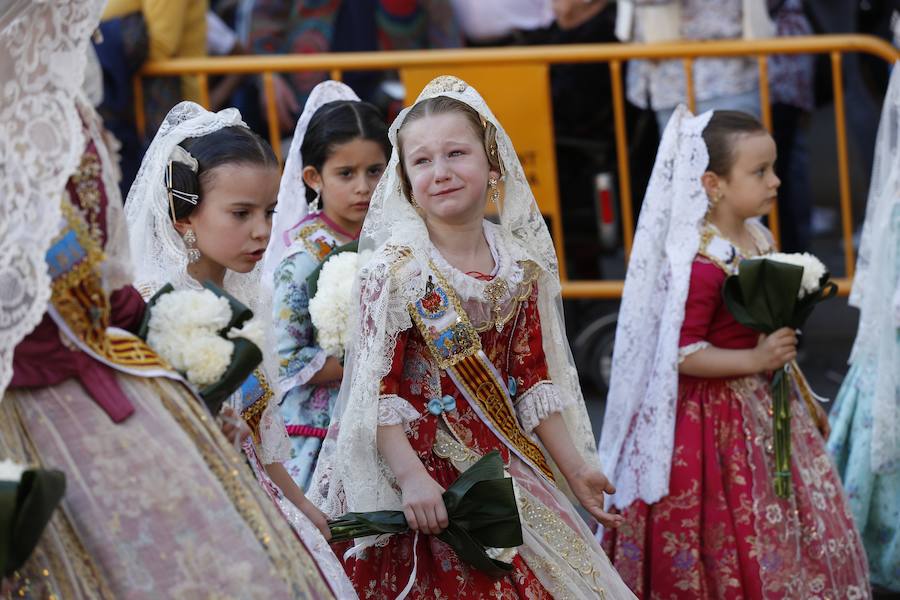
(538, 403)
(394, 410)
(303, 376)
(686, 351)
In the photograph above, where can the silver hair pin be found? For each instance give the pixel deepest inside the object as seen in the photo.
(184, 196)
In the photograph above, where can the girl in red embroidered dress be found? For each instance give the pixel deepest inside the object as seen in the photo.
(475, 307)
(721, 532)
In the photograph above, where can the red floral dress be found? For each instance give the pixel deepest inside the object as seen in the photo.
(721, 532)
(382, 572)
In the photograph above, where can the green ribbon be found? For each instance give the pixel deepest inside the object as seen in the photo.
(482, 512)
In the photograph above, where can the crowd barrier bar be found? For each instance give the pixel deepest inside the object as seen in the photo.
(835, 46)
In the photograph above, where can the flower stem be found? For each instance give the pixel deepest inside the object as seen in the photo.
(781, 414)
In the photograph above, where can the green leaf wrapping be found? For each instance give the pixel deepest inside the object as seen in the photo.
(26, 507)
(763, 294)
(245, 358)
(481, 507)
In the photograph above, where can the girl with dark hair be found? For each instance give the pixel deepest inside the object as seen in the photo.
(688, 432)
(201, 210)
(337, 156)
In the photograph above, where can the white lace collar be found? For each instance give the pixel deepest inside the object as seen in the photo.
(506, 267)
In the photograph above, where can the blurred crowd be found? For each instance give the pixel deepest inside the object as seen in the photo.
(135, 31)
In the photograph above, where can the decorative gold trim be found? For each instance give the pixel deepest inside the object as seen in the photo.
(253, 413)
(522, 292)
(482, 387)
(470, 342)
(77, 293)
(320, 251)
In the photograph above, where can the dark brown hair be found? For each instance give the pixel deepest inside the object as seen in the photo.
(337, 123)
(440, 105)
(723, 129)
(226, 146)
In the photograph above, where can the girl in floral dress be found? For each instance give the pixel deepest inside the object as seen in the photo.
(688, 429)
(201, 210)
(337, 156)
(460, 350)
(865, 439)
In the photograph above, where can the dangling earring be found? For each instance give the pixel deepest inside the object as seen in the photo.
(495, 193)
(315, 202)
(190, 238)
(412, 200)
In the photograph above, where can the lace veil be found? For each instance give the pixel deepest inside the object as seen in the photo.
(639, 425)
(350, 474)
(160, 256)
(292, 205)
(43, 47)
(876, 288)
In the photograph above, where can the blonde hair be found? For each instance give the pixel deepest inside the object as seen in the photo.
(441, 105)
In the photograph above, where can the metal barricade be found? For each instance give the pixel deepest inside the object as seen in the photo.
(615, 55)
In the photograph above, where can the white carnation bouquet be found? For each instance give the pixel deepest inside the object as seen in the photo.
(330, 306)
(206, 335)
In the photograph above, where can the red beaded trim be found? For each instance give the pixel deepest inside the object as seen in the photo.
(306, 431)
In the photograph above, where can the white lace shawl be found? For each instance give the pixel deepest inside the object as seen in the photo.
(639, 423)
(350, 474)
(43, 48)
(876, 288)
(292, 205)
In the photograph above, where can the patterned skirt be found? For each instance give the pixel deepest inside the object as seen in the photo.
(722, 532)
(158, 506)
(874, 498)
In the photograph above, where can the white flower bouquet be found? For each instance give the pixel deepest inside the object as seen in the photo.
(330, 306)
(206, 335)
(28, 498)
(768, 293)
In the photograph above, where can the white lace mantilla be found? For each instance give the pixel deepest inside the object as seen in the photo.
(639, 425)
(42, 60)
(876, 285)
